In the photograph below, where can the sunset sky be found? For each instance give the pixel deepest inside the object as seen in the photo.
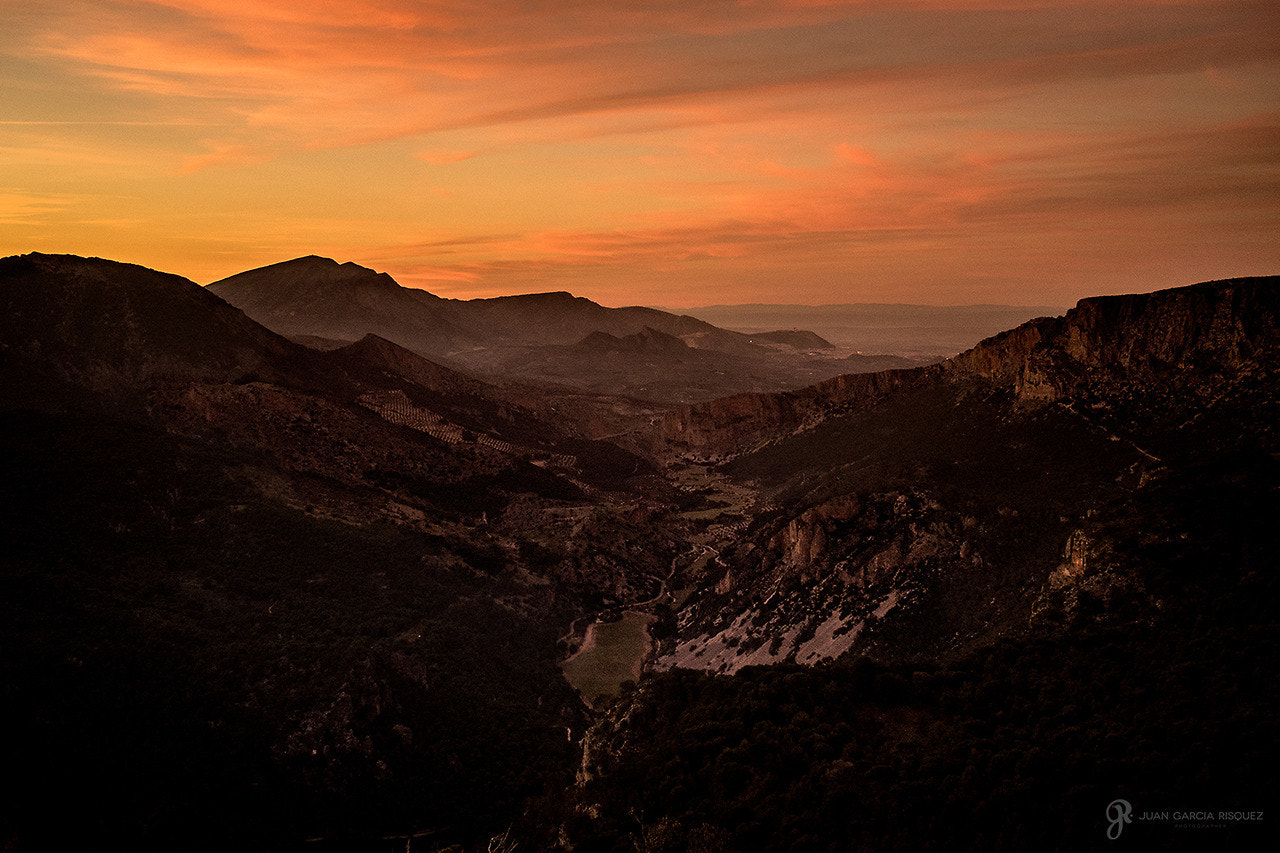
(674, 153)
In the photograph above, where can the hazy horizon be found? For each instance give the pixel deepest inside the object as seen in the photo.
(822, 305)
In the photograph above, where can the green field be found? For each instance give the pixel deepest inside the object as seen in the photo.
(732, 498)
(611, 654)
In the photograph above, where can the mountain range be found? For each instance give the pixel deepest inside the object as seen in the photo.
(558, 340)
(537, 338)
(267, 595)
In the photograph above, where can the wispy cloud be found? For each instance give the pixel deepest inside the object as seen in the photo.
(19, 207)
(1007, 200)
(386, 69)
(770, 141)
(223, 154)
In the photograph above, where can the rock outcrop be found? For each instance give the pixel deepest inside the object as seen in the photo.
(1231, 325)
(731, 425)
(945, 493)
(1188, 335)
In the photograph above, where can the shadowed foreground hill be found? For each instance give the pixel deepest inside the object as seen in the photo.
(1156, 687)
(252, 593)
(107, 324)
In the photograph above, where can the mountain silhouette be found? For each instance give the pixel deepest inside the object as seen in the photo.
(529, 338)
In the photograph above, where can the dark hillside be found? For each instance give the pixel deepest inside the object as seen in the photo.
(192, 664)
(259, 596)
(112, 324)
(246, 602)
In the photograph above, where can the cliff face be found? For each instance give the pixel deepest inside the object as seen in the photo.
(1185, 338)
(1233, 322)
(733, 424)
(804, 539)
(1194, 332)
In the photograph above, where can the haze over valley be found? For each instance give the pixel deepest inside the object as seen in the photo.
(915, 331)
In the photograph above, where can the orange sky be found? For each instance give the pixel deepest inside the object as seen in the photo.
(673, 152)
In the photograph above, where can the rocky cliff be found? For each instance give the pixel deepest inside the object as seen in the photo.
(1205, 329)
(1187, 338)
(731, 425)
(927, 510)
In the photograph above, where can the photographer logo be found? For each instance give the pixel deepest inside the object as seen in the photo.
(1118, 813)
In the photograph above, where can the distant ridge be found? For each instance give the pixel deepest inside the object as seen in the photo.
(795, 338)
(320, 297)
(824, 306)
(764, 310)
(646, 340)
(373, 352)
(313, 296)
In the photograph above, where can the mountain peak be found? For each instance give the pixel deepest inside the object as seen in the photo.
(306, 271)
(551, 299)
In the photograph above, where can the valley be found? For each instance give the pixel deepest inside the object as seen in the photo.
(339, 568)
(618, 646)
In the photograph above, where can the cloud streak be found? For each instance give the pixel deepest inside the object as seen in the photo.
(389, 69)
(702, 139)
